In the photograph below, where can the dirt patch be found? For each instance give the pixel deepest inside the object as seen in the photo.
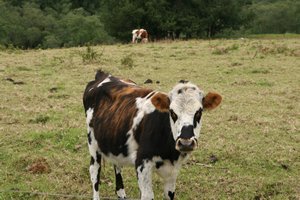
(39, 166)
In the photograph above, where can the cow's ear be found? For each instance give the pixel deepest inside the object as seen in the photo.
(211, 100)
(161, 102)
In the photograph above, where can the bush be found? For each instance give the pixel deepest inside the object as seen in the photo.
(51, 41)
(90, 55)
(28, 26)
(75, 29)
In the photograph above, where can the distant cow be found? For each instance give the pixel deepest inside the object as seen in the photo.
(139, 35)
(131, 125)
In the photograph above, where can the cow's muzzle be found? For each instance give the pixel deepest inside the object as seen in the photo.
(186, 145)
(186, 142)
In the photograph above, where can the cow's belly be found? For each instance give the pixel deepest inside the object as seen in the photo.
(120, 160)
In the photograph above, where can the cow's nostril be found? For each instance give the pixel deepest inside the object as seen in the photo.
(185, 145)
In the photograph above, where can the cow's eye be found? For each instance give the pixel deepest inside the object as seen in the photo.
(197, 117)
(173, 115)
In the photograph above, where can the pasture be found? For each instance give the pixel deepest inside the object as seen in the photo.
(249, 147)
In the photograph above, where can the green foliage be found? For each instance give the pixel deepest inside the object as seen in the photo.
(90, 55)
(164, 18)
(29, 26)
(68, 23)
(276, 17)
(75, 29)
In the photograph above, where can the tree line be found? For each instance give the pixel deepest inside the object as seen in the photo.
(66, 23)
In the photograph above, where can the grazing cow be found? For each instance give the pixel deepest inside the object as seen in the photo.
(154, 131)
(139, 35)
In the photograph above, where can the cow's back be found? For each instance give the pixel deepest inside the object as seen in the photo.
(114, 107)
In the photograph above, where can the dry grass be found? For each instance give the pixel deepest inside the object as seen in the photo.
(251, 142)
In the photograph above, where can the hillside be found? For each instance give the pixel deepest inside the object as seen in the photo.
(249, 148)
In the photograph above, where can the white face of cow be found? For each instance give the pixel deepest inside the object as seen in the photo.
(187, 104)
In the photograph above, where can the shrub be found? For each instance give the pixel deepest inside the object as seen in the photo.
(90, 55)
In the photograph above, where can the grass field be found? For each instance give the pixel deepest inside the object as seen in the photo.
(249, 147)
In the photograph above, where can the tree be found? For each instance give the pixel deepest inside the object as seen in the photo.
(276, 17)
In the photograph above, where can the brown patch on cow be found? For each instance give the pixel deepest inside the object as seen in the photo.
(144, 34)
(39, 166)
(128, 92)
(128, 81)
(161, 102)
(211, 100)
(117, 93)
(119, 110)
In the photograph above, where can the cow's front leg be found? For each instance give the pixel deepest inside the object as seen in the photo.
(119, 183)
(144, 173)
(169, 176)
(169, 187)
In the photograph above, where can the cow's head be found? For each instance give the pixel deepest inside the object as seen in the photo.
(187, 102)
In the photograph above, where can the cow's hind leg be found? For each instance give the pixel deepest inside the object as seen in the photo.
(95, 165)
(119, 183)
(95, 169)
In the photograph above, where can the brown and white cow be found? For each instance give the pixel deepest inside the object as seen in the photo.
(139, 35)
(154, 131)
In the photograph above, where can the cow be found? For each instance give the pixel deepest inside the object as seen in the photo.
(139, 35)
(151, 130)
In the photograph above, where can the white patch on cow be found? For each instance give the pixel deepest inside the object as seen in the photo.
(134, 31)
(144, 107)
(168, 172)
(93, 148)
(121, 193)
(104, 81)
(150, 94)
(94, 173)
(89, 116)
(186, 99)
(132, 147)
(127, 82)
(144, 173)
(91, 89)
(134, 35)
(118, 169)
(169, 169)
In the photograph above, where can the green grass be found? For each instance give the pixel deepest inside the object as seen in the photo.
(254, 134)
(274, 36)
